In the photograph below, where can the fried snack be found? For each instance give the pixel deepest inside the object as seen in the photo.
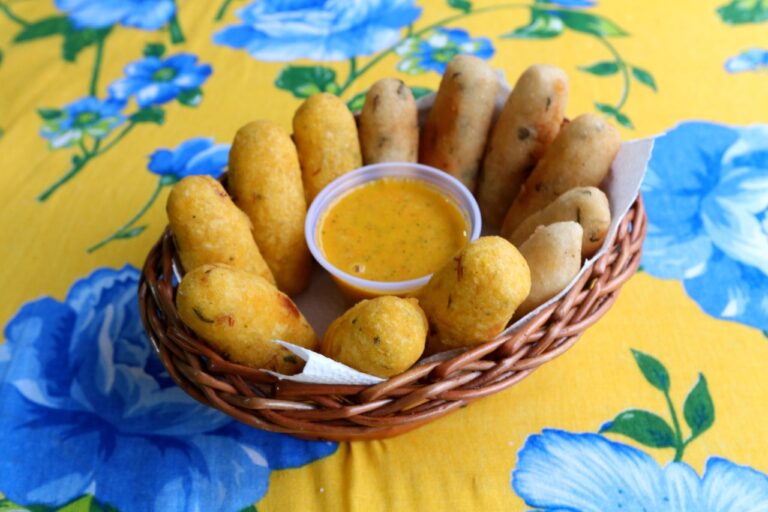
(580, 156)
(382, 336)
(239, 314)
(265, 182)
(435, 345)
(389, 124)
(553, 254)
(457, 127)
(472, 298)
(326, 137)
(208, 228)
(586, 205)
(528, 123)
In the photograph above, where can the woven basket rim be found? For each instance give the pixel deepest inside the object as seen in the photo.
(403, 402)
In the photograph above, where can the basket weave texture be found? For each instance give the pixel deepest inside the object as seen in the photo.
(399, 404)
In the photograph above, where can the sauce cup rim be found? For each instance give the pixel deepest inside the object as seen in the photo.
(444, 182)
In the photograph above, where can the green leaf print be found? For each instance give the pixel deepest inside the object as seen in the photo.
(610, 110)
(222, 10)
(149, 115)
(541, 26)
(49, 114)
(357, 101)
(589, 23)
(743, 11)
(76, 41)
(698, 409)
(43, 28)
(191, 97)
(83, 504)
(174, 29)
(304, 81)
(463, 5)
(653, 371)
(154, 50)
(650, 429)
(642, 426)
(603, 68)
(7, 505)
(644, 77)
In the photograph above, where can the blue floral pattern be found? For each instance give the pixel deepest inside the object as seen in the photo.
(154, 81)
(87, 116)
(282, 30)
(86, 402)
(706, 192)
(559, 471)
(754, 59)
(199, 155)
(142, 14)
(434, 51)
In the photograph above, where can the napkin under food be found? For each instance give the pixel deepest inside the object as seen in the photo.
(322, 302)
(323, 370)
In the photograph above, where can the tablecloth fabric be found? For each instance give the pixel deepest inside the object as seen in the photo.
(660, 406)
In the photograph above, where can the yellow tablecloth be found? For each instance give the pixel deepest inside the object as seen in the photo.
(105, 104)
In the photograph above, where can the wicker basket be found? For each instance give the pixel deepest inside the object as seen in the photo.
(421, 394)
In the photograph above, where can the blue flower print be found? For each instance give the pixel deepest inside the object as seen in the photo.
(559, 471)
(283, 30)
(435, 51)
(200, 155)
(706, 193)
(89, 409)
(155, 81)
(749, 60)
(142, 14)
(86, 116)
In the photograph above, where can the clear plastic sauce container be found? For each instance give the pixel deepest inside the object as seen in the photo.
(393, 221)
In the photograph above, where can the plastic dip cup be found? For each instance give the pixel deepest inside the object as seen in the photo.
(356, 287)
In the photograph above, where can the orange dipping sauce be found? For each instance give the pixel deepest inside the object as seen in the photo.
(392, 229)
